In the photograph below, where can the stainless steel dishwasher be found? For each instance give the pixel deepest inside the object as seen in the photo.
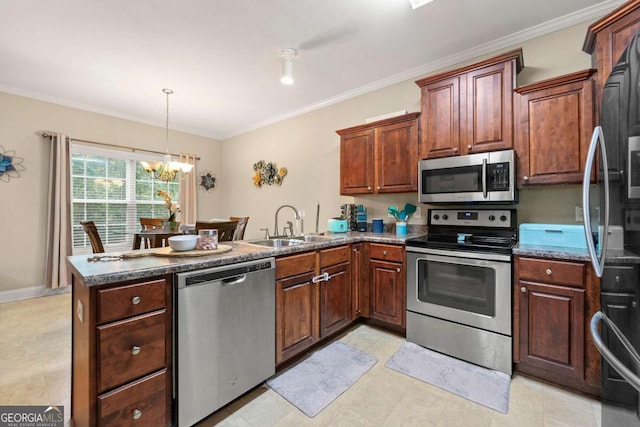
(225, 341)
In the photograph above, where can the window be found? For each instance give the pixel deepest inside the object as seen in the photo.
(110, 188)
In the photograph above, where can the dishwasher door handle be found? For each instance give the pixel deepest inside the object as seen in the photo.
(230, 281)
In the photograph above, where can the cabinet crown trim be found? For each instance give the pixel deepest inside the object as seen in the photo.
(557, 81)
(514, 54)
(384, 122)
(605, 21)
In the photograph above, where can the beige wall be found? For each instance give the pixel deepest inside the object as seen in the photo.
(309, 147)
(24, 200)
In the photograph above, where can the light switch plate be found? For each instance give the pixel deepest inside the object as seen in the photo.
(579, 214)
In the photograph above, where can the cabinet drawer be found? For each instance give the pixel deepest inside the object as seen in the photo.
(143, 402)
(130, 349)
(334, 256)
(619, 278)
(556, 272)
(131, 300)
(386, 252)
(295, 264)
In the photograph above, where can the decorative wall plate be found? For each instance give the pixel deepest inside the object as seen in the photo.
(10, 165)
(208, 181)
(267, 173)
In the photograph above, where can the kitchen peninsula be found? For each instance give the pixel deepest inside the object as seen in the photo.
(124, 321)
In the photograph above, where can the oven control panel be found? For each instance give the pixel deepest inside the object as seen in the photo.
(473, 217)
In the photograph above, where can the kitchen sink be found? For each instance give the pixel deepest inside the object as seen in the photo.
(276, 242)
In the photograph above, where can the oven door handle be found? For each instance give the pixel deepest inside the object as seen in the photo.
(460, 261)
(485, 256)
(484, 177)
(615, 363)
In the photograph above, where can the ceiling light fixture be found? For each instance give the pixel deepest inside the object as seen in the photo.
(287, 56)
(167, 170)
(417, 3)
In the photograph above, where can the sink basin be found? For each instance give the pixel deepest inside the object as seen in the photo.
(316, 238)
(277, 243)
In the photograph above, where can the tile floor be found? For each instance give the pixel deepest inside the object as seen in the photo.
(35, 353)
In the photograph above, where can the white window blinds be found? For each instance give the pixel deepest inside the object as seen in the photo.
(110, 188)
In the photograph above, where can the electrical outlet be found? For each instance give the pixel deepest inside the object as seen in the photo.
(579, 214)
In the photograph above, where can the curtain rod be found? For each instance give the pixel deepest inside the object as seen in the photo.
(50, 135)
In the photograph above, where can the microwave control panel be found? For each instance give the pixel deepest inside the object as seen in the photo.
(498, 176)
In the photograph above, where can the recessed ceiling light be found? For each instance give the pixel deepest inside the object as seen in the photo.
(417, 3)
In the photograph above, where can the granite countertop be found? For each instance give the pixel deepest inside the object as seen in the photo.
(104, 272)
(623, 256)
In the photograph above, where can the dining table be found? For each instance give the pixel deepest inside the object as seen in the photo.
(157, 237)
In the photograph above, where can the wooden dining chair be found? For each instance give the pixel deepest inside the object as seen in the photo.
(94, 237)
(226, 229)
(151, 223)
(242, 224)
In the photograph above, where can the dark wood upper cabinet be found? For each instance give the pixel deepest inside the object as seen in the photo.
(380, 157)
(469, 110)
(607, 39)
(554, 122)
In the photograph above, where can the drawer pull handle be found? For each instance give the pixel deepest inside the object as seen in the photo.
(135, 350)
(549, 272)
(523, 289)
(384, 253)
(137, 413)
(136, 300)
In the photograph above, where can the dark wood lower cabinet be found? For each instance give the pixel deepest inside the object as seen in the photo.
(387, 290)
(335, 299)
(552, 328)
(553, 304)
(319, 293)
(296, 315)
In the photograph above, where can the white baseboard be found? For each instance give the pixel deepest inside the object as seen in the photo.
(30, 292)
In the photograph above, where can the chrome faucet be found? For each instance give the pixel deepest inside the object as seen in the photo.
(298, 217)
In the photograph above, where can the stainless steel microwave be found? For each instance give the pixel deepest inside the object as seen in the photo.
(474, 178)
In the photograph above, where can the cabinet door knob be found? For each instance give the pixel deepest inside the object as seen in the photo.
(526, 178)
(617, 279)
(523, 289)
(355, 250)
(384, 253)
(549, 272)
(455, 149)
(378, 187)
(135, 350)
(137, 413)
(398, 269)
(469, 146)
(136, 300)
(369, 188)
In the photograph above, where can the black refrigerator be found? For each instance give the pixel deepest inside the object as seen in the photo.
(613, 202)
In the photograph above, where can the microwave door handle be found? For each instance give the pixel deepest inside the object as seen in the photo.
(615, 363)
(596, 140)
(484, 177)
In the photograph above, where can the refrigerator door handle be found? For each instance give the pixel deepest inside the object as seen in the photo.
(615, 363)
(596, 140)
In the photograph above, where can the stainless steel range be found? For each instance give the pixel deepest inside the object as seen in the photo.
(459, 285)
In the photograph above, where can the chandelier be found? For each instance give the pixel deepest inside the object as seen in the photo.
(167, 170)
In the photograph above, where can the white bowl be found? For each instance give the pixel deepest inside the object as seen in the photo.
(184, 242)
